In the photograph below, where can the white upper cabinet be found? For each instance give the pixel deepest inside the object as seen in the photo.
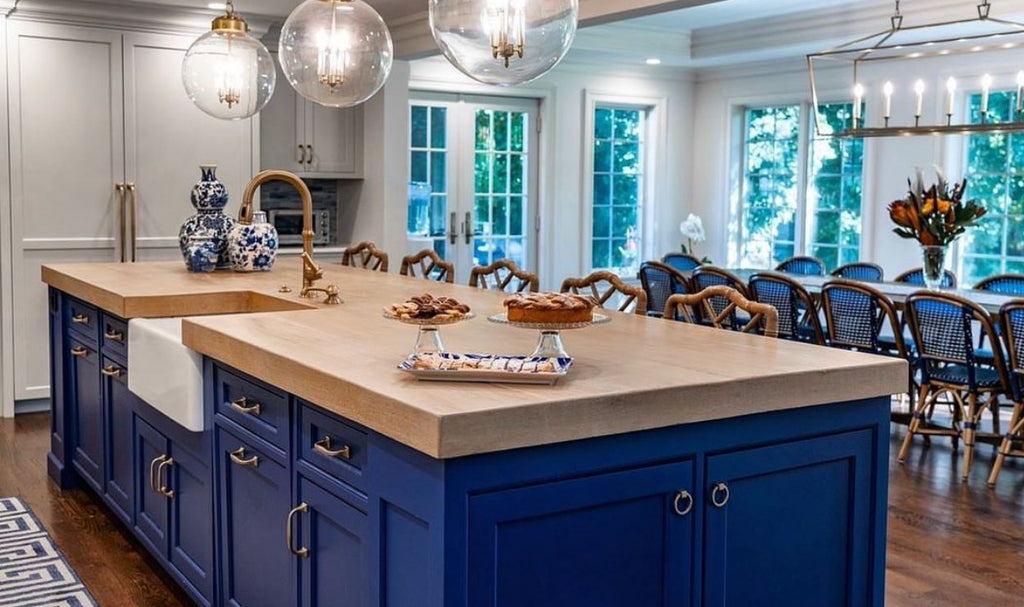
(310, 139)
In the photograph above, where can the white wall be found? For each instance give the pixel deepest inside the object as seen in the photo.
(888, 162)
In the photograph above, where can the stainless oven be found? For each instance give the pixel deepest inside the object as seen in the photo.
(289, 226)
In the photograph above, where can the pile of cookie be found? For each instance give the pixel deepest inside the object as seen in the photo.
(428, 307)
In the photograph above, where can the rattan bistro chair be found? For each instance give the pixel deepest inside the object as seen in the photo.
(429, 265)
(659, 281)
(692, 307)
(500, 276)
(915, 276)
(860, 270)
(683, 262)
(798, 316)
(605, 288)
(365, 255)
(1011, 319)
(802, 264)
(943, 328)
(1005, 284)
(710, 276)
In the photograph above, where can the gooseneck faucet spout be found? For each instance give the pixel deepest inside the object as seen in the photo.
(311, 272)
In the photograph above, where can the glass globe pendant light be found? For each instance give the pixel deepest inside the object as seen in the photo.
(335, 52)
(504, 42)
(226, 72)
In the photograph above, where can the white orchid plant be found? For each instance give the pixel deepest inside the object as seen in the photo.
(693, 230)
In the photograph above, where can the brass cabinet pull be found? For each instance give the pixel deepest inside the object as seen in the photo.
(302, 154)
(111, 371)
(152, 471)
(135, 218)
(123, 226)
(79, 351)
(720, 495)
(238, 457)
(113, 335)
(163, 488)
(309, 158)
(302, 552)
(323, 447)
(240, 405)
(80, 319)
(683, 497)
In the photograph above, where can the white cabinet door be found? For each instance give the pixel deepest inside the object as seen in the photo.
(282, 135)
(66, 155)
(335, 137)
(167, 138)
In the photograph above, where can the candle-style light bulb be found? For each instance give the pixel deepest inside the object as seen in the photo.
(1020, 89)
(887, 89)
(858, 96)
(986, 84)
(950, 92)
(919, 89)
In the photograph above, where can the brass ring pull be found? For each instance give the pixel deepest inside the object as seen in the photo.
(80, 319)
(111, 371)
(240, 405)
(683, 497)
(720, 495)
(79, 351)
(323, 447)
(163, 488)
(152, 471)
(113, 335)
(302, 552)
(238, 457)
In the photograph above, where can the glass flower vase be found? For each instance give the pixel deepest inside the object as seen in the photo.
(933, 260)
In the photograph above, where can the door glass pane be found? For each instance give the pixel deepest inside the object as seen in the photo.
(618, 189)
(428, 176)
(499, 171)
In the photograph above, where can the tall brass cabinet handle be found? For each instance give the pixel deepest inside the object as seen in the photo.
(123, 226)
(302, 552)
(135, 218)
(323, 447)
(683, 503)
(720, 495)
(152, 471)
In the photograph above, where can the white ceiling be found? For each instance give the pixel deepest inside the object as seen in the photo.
(388, 9)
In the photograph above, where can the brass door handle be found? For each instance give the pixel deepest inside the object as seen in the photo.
(323, 447)
(79, 351)
(111, 371)
(302, 552)
(720, 495)
(152, 471)
(238, 457)
(123, 224)
(113, 335)
(309, 158)
(163, 488)
(302, 154)
(240, 405)
(80, 319)
(682, 497)
(135, 219)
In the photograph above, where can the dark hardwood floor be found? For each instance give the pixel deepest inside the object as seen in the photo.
(950, 543)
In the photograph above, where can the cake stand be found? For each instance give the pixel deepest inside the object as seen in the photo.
(428, 339)
(549, 342)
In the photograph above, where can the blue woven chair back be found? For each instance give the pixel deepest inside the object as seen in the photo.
(853, 317)
(1011, 317)
(780, 295)
(709, 276)
(810, 266)
(683, 262)
(860, 271)
(916, 277)
(944, 331)
(1006, 284)
(660, 281)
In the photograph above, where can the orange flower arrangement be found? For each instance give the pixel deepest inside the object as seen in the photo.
(936, 216)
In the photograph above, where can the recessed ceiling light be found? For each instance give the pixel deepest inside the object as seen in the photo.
(216, 6)
(653, 61)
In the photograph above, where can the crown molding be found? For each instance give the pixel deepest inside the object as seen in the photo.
(134, 16)
(600, 12)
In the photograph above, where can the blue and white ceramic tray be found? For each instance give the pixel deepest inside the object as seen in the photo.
(447, 366)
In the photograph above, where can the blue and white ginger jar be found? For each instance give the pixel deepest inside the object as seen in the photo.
(209, 197)
(253, 247)
(201, 253)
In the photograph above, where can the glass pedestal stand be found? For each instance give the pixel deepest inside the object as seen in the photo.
(428, 338)
(549, 341)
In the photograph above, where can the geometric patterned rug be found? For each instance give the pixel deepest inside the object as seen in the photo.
(33, 572)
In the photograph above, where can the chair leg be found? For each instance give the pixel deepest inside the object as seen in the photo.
(1006, 445)
(970, 433)
(917, 417)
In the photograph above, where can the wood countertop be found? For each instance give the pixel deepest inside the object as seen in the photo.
(633, 373)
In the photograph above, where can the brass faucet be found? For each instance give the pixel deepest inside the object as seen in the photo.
(311, 272)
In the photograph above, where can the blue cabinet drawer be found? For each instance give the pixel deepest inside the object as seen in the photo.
(255, 406)
(332, 446)
(82, 318)
(114, 336)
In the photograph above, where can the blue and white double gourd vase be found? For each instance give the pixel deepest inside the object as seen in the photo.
(252, 247)
(209, 197)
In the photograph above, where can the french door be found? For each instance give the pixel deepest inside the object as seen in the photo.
(473, 168)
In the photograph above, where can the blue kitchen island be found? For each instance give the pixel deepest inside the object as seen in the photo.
(674, 465)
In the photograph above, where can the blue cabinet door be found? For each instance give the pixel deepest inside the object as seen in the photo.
(621, 538)
(84, 364)
(336, 570)
(190, 533)
(795, 527)
(152, 508)
(119, 404)
(254, 499)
